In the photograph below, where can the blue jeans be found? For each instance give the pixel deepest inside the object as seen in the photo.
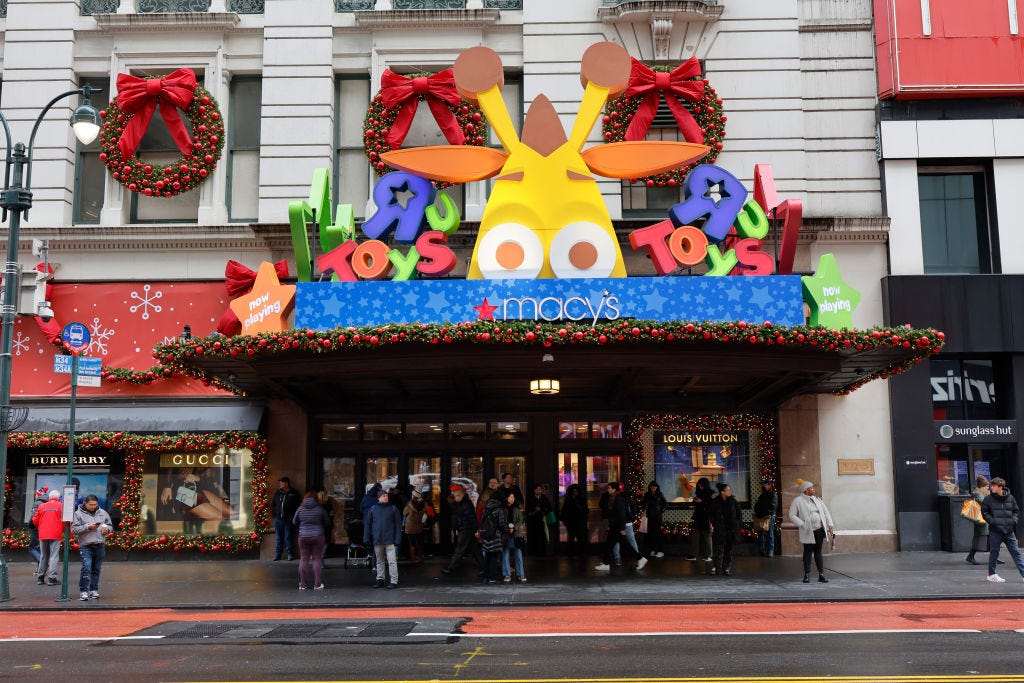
(996, 539)
(92, 561)
(285, 537)
(631, 539)
(511, 550)
(766, 540)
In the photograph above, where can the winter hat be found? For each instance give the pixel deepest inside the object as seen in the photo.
(54, 494)
(804, 485)
(456, 487)
(980, 481)
(382, 493)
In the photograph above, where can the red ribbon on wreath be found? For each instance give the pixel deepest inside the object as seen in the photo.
(239, 280)
(139, 97)
(677, 86)
(404, 92)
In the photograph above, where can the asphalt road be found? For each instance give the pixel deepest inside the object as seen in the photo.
(869, 656)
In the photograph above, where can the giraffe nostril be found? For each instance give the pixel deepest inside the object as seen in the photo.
(510, 255)
(583, 255)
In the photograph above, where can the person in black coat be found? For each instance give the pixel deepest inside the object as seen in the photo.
(653, 504)
(1002, 514)
(701, 533)
(767, 505)
(725, 525)
(618, 518)
(574, 516)
(464, 525)
(537, 508)
(286, 502)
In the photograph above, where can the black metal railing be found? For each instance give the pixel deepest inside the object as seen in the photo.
(163, 6)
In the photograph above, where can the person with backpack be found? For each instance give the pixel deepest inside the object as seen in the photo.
(494, 535)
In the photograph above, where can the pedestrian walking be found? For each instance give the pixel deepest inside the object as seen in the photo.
(464, 525)
(494, 534)
(327, 503)
(653, 505)
(538, 507)
(701, 525)
(979, 540)
(41, 496)
(91, 525)
(285, 503)
(765, 510)
(414, 518)
(1001, 513)
(516, 540)
(618, 519)
(382, 530)
(811, 517)
(725, 528)
(49, 522)
(574, 516)
(311, 520)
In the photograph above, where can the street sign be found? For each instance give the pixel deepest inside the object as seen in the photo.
(75, 335)
(87, 380)
(86, 366)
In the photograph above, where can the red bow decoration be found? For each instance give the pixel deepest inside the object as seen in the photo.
(439, 91)
(139, 97)
(676, 86)
(238, 279)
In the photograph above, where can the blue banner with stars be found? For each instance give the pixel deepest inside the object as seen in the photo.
(774, 298)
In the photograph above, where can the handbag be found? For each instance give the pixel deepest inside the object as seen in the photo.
(551, 518)
(971, 511)
(763, 524)
(186, 496)
(643, 524)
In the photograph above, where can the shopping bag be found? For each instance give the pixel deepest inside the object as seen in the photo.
(643, 524)
(971, 510)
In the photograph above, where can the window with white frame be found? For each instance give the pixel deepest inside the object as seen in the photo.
(955, 231)
(90, 173)
(352, 175)
(243, 152)
(641, 200)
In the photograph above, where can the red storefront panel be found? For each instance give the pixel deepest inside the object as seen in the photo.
(971, 49)
(125, 320)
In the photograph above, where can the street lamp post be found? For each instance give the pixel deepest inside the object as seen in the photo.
(16, 199)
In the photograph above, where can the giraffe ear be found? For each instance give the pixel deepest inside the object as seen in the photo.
(636, 159)
(448, 163)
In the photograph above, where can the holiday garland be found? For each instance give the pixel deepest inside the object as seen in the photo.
(764, 425)
(922, 343)
(707, 112)
(165, 180)
(134, 448)
(380, 118)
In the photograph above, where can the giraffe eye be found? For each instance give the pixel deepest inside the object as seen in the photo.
(583, 250)
(510, 250)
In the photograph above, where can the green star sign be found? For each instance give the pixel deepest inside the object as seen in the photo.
(831, 300)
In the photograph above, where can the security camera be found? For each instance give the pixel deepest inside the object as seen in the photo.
(44, 311)
(547, 359)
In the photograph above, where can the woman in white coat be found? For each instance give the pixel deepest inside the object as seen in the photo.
(812, 519)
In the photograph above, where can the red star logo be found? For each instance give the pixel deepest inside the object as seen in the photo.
(485, 311)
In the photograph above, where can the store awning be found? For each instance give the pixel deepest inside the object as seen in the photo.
(482, 368)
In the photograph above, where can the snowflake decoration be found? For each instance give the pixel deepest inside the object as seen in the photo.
(100, 336)
(146, 302)
(20, 343)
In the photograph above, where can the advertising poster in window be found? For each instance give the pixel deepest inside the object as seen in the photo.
(86, 483)
(199, 488)
(683, 458)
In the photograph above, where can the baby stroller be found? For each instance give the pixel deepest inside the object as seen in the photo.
(356, 552)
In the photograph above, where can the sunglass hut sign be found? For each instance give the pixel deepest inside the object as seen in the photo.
(546, 248)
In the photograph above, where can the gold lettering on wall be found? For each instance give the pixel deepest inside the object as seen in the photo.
(857, 466)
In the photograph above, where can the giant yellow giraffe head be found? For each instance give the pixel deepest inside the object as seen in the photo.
(545, 216)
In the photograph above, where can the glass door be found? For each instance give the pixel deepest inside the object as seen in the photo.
(600, 470)
(339, 481)
(425, 477)
(469, 472)
(568, 474)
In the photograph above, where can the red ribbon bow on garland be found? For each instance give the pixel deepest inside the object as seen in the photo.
(676, 86)
(439, 91)
(239, 280)
(139, 97)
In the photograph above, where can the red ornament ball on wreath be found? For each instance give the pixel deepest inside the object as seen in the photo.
(188, 172)
(379, 119)
(707, 112)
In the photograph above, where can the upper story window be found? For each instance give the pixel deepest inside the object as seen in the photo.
(639, 200)
(965, 389)
(243, 148)
(955, 231)
(90, 172)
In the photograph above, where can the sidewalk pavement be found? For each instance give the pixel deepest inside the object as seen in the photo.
(258, 584)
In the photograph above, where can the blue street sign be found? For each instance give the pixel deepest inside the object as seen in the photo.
(86, 366)
(75, 335)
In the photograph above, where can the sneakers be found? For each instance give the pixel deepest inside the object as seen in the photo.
(522, 579)
(40, 581)
(691, 558)
(380, 583)
(507, 579)
(318, 588)
(707, 559)
(302, 588)
(641, 563)
(995, 578)
(659, 554)
(52, 582)
(390, 585)
(822, 579)
(446, 570)
(94, 595)
(83, 596)
(603, 567)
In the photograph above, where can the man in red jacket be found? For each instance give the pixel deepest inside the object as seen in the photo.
(51, 529)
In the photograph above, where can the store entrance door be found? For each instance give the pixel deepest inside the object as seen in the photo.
(592, 473)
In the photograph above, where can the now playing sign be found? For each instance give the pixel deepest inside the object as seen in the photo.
(88, 369)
